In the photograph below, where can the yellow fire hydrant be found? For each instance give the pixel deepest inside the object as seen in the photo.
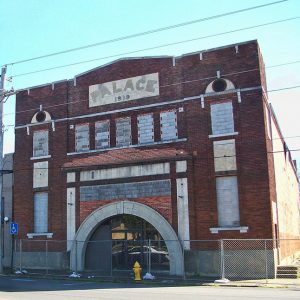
(137, 270)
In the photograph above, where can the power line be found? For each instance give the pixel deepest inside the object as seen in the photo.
(286, 88)
(285, 64)
(147, 32)
(155, 47)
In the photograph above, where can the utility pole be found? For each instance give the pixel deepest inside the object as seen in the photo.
(2, 96)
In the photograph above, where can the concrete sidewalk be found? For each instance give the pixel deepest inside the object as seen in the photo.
(283, 283)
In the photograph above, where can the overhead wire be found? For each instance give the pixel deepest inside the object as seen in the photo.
(147, 32)
(155, 47)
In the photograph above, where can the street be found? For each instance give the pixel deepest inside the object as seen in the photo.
(32, 289)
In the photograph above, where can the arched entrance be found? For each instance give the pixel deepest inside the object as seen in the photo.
(89, 225)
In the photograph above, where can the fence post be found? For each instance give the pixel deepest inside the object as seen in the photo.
(223, 279)
(184, 277)
(13, 254)
(222, 259)
(149, 256)
(266, 258)
(46, 257)
(20, 254)
(75, 256)
(111, 259)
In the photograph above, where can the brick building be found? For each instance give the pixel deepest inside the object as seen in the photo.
(173, 148)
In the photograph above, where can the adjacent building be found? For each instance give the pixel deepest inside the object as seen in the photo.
(170, 149)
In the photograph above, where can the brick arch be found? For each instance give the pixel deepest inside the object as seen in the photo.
(88, 226)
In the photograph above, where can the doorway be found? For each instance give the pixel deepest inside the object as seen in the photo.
(122, 240)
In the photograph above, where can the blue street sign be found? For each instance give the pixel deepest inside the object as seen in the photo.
(14, 228)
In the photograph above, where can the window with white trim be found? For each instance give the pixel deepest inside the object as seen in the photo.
(224, 155)
(228, 201)
(168, 125)
(123, 132)
(82, 137)
(145, 129)
(40, 212)
(222, 118)
(40, 143)
(102, 136)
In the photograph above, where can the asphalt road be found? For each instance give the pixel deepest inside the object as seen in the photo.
(33, 289)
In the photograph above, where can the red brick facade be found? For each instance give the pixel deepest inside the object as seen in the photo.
(179, 78)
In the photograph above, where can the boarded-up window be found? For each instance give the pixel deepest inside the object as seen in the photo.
(168, 125)
(40, 174)
(222, 118)
(40, 143)
(82, 138)
(145, 129)
(126, 190)
(228, 201)
(123, 132)
(40, 212)
(224, 155)
(102, 134)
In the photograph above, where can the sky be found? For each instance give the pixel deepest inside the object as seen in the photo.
(34, 28)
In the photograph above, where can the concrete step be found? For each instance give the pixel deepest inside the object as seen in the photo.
(290, 276)
(282, 271)
(287, 268)
(292, 272)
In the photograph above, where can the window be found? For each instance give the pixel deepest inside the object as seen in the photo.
(40, 143)
(168, 125)
(40, 174)
(82, 137)
(222, 118)
(224, 155)
(123, 132)
(102, 135)
(145, 129)
(228, 201)
(40, 212)
(219, 85)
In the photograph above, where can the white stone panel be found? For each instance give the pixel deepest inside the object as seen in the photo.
(183, 212)
(71, 225)
(40, 174)
(181, 166)
(224, 155)
(138, 87)
(71, 177)
(125, 172)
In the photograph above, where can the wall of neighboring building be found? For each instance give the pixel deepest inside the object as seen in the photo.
(287, 216)
(8, 208)
(287, 187)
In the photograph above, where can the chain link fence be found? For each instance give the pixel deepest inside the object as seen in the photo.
(189, 260)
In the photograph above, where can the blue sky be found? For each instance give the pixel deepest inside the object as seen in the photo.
(36, 27)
